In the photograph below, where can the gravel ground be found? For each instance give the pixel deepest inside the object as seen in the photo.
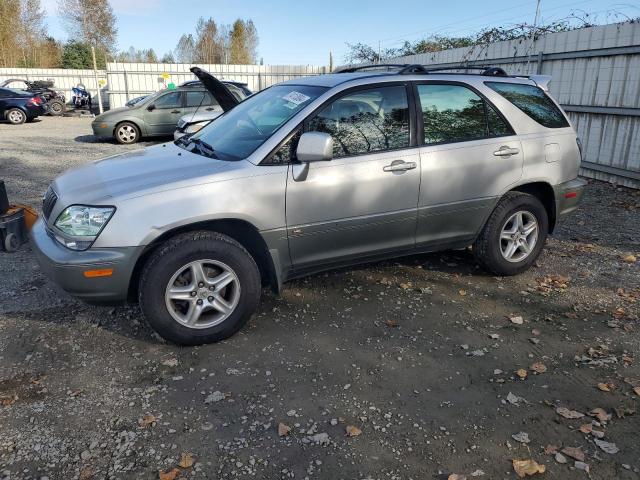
(407, 369)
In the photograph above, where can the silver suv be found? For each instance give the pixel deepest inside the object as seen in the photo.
(309, 175)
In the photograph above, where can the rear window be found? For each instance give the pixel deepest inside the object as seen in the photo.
(532, 101)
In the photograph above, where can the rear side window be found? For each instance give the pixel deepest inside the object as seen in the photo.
(454, 113)
(532, 101)
(199, 98)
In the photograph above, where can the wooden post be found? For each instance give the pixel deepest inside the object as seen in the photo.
(95, 74)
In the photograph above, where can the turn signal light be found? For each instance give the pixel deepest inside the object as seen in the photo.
(104, 272)
(571, 195)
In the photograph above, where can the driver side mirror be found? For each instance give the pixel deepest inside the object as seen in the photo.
(151, 107)
(315, 147)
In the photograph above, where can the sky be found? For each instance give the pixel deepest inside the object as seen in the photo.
(303, 33)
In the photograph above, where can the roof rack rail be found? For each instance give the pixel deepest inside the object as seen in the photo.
(487, 71)
(415, 68)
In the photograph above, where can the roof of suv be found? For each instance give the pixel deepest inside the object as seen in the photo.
(333, 79)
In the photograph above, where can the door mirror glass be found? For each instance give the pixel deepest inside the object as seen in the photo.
(315, 147)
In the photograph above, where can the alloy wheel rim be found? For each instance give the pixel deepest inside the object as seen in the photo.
(518, 236)
(15, 116)
(202, 293)
(127, 133)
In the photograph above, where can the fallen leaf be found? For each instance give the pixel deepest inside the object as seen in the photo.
(517, 319)
(535, 332)
(629, 258)
(551, 449)
(619, 313)
(169, 474)
(636, 390)
(146, 421)
(391, 323)
(494, 336)
(6, 401)
(456, 476)
(352, 431)
(606, 387)
(586, 428)
(574, 452)
(607, 447)
(522, 373)
(405, 286)
(538, 367)
(600, 414)
(527, 467)
(186, 461)
(581, 466)
(522, 437)
(621, 412)
(566, 413)
(283, 430)
(462, 292)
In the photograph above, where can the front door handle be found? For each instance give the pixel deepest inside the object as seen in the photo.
(399, 166)
(505, 151)
(175, 111)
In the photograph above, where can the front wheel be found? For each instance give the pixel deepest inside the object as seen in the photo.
(127, 132)
(514, 235)
(199, 287)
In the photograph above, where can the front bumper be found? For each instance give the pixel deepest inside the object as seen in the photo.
(102, 129)
(568, 196)
(66, 267)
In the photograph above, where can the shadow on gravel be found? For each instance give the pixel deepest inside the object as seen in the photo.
(93, 139)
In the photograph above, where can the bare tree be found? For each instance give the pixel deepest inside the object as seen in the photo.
(185, 51)
(9, 18)
(208, 44)
(90, 21)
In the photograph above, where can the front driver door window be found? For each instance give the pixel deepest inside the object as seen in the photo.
(163, 118)
(364, 200)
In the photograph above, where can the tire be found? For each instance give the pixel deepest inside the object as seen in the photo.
(16, 116)
(218, 253)
(126, 133)
(516, 214)
(11, 243)
(56, 108)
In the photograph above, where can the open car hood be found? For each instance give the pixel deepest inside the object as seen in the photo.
(219, 91)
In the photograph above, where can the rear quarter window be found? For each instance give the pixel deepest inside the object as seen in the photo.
(532, 101)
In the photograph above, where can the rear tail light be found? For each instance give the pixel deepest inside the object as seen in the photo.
(37, 101)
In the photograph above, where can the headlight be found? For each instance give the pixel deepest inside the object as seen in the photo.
(82, 221)
(194, 127)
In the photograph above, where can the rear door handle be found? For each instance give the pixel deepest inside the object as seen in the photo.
(505, 151)
(399, 166)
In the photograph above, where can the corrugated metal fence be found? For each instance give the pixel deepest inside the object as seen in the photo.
(595, 76)
(129, 80)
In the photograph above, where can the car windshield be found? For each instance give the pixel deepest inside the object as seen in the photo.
(240, 131)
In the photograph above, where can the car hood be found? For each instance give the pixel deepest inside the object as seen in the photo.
(216, 88)
(111, 113)
(139, 173)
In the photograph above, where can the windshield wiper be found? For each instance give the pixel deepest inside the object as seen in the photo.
(203, 147)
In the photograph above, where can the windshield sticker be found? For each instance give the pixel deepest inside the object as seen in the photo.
(296, 98)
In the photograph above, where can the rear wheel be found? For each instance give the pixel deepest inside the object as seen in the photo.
(16, 116)
(514, 235)
(198, 288)
(127, 132)
(56, 108)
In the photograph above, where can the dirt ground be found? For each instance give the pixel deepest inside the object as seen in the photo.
(423, 356)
